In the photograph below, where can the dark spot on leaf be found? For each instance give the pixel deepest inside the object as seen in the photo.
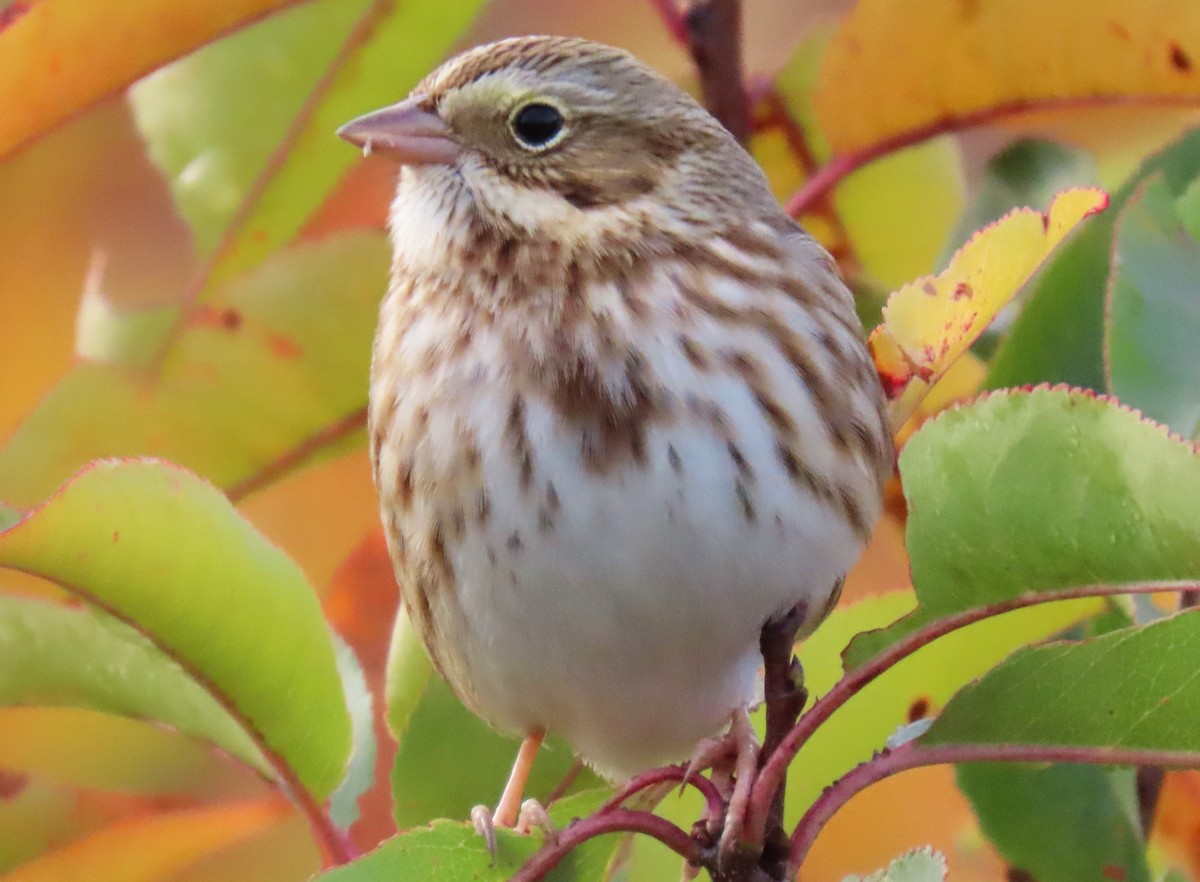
(963, 291)
(116, 535)
(919, 709)
(1114, 872)
(284, 347)
(12, 783)
(1180, 60)
(231, 319)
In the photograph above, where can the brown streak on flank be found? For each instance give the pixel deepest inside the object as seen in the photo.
(552, 501)
(458, 524)
(673, 459)
(696, 356)
(775, 413)
(743, 240)
(437, 551)
(381, 420)
(743, 496)
(513, 542)
(628, 289)
(514, 430)
(483, 506)
(404, 485)
(854, 513)
(739, 461)
(545, 521)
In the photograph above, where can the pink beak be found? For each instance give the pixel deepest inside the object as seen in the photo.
(406, 132)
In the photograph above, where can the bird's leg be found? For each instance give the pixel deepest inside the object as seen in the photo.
(508, 810)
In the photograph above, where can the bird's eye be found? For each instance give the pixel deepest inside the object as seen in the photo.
(537, 126)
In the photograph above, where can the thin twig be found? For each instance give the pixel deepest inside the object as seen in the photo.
(672, 19)
(298, 455)
(713, 30)
(715, 805)
(612, 821)
(913, 756)
(773, 773)
(841, 165)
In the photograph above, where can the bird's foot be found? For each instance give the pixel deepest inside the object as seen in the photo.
(534, 816)
(485, 826)
(732, 757)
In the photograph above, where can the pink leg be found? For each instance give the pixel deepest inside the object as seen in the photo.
(508, 810)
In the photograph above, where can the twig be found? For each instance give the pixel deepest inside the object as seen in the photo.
(617, 820)
(772, 774)
(713, 29)
(832, 173)
(297, 455)
(913, 756)
(715, 804)
(784, 695)
(671, 17)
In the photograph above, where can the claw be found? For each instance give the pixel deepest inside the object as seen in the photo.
(481, 819)
(533, 815)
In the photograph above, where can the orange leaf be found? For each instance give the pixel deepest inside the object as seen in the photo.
(894, 75)
(154, 847)
(59, 58)
(931, 322)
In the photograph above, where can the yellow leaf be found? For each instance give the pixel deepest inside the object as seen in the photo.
(153, 847)
(897, 71)
(932, 321)
(59, 58)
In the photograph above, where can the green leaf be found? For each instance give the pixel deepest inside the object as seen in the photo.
(1026, 172)
(34, 814)
(1031, 491)
(920, 684)
(212, 119)
(1059, 335)
(285, 359)
(1154, 311)
(921, 865)
(391, 49)
(1061, 823)
(167, 553)
(408, 674)
(449, 761)
(450, 851)
(1135, 688)
(55, 656)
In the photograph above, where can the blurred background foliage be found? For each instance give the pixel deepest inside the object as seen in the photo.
(131, 200)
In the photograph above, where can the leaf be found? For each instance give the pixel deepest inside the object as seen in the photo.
(1059, 335)
(1136, 688)
(33, 813)
(56, 656)
(875, 204)
(449, 761)
(969, 63)
(1154, 311)
(60, 58)
(1031, 491)
(930, 322)
(1060, 823)
(209, 134)
(168, 554)
(391, 48)
(451, 850)
(920, 865)
(237, 389)
(150, 849)
(109, 334)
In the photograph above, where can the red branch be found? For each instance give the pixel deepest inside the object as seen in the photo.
(773, 772)
(913, 756)
(672, 18)
(616, 820)
(832, 173)
(715, 805)
(296, 456)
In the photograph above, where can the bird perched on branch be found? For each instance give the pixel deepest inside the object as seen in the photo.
(621, 412)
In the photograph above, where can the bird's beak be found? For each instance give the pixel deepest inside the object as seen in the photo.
(406, 132)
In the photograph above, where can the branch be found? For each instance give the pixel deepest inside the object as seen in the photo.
(832, 173)
(617, 820)
(771, 777)
(296, 456)
(715, 805)
(913, 756)
(713, 35)
(668, 11)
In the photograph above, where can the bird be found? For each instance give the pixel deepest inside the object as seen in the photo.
(621, 413)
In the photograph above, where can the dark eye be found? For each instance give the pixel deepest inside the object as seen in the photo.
(537, 125)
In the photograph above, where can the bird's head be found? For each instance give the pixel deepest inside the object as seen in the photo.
(549, 134)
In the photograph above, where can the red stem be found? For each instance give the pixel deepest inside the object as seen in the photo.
(716, 806)
(852, 682)
(672, 18)
(913, 756)
(617, 820)
(832, 173)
